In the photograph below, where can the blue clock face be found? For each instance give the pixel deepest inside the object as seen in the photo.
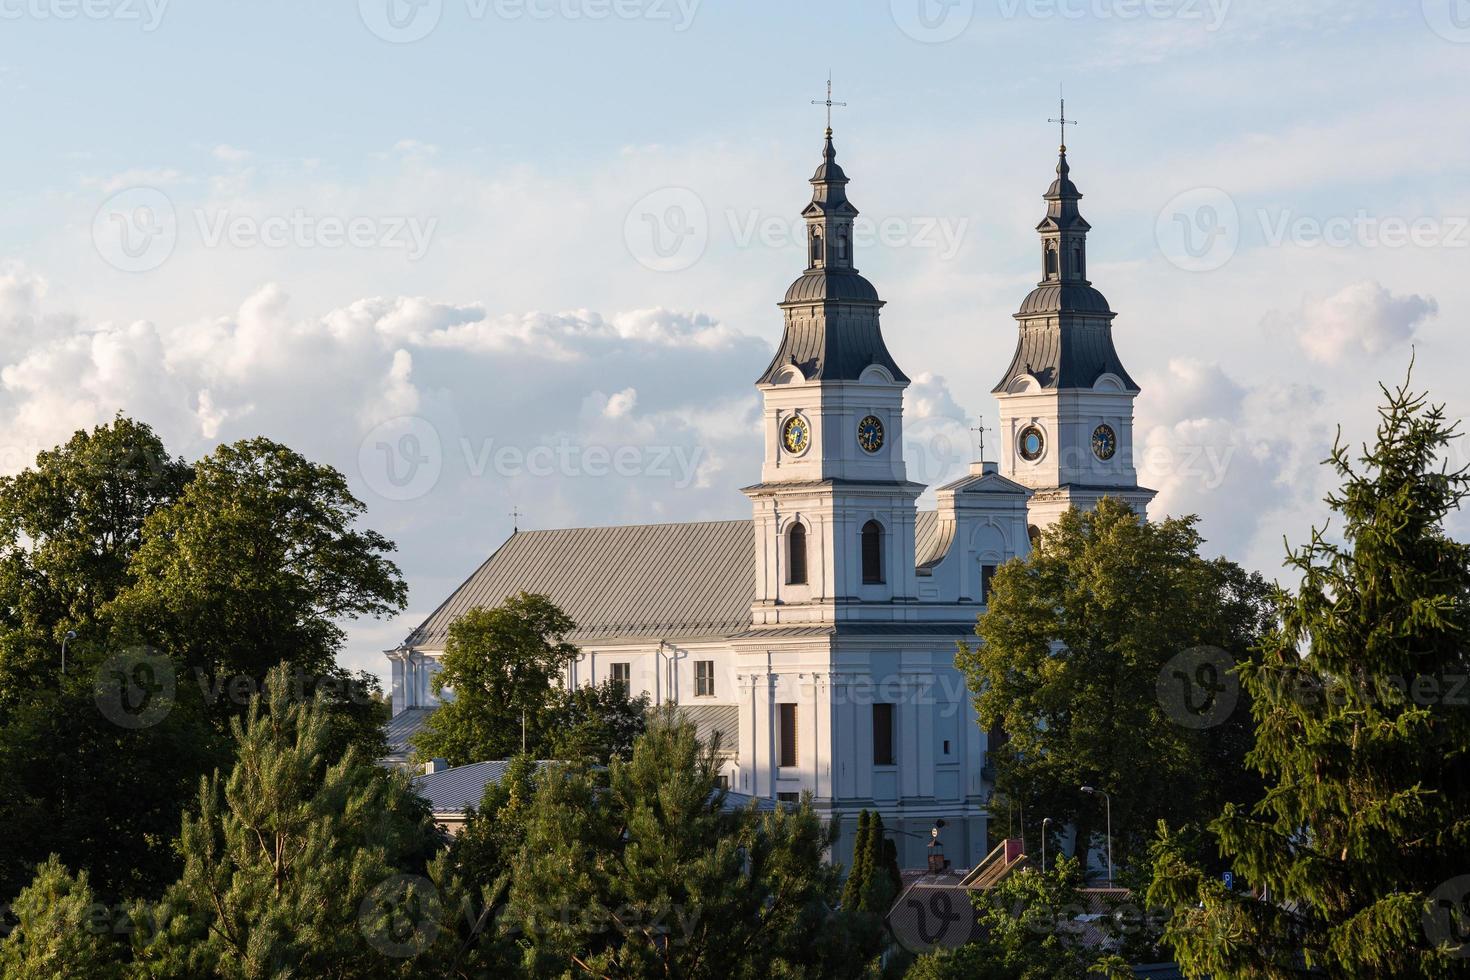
(1032, 444)
(870, 434)
(1104, 442)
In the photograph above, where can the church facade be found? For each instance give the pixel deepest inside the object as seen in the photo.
(814, 643)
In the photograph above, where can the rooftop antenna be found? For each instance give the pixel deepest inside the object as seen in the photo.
(829, 103)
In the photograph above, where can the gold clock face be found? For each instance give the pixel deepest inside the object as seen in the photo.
(870, 434)
(796, 435)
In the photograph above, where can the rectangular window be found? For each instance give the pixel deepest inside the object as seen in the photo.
(787, 735)
(946, 746)
(789, 797)
(882, 734)
(987, 575)
(704, 678)
(722, 781)
(621, 674)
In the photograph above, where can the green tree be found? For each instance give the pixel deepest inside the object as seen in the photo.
(69, 527)
(1073, 644)
(1032, 930)
(60, 930)
(860, 874)
(1362, 735)
(640, 871)
(502, 665)
(257, 563)
(283, 860)
(599, 723)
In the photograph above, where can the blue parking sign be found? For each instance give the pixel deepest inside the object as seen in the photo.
(1229, 879)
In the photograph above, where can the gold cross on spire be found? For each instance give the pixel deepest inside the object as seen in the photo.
(829, 103)
(1064, 122)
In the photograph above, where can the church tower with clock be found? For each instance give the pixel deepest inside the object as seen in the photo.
(834, 511)
(1066, 401)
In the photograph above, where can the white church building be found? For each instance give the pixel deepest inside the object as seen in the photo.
(816, 640)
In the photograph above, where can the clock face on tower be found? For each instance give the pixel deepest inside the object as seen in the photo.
(1032, 444)
(796, 435)
(1104, 442)
(870, 434)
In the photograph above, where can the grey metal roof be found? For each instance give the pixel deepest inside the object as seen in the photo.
(401, 728)
(651, 581)
(659, 581)
(1064, 297)
(715, 724)
(931, 542)
(455, 790)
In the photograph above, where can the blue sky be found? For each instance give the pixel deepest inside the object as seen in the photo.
(499, 293)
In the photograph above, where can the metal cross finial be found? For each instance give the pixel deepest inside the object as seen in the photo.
(1064, 122)
(980, 431)
(515, 518)
(829, 103)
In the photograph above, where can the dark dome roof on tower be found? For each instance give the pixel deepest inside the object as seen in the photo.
(816, 285)
(1065, 297)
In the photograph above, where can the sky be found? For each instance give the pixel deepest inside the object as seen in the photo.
(523, 256)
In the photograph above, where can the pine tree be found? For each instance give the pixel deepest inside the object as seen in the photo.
(60, 931)
(283, 860)
(856, 884)
(1362, 733)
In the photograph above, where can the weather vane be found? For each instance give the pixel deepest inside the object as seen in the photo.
(829, 103)
(515, 518)
(980, 431)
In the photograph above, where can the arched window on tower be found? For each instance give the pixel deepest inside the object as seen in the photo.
(1079, 265)
(796, 554)
(1051, 262)
(872, 553)
(842, 245)
(816, 247)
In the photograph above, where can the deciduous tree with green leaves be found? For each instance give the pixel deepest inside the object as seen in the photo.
(1071, 650)
(1357, 851)
(503, 665)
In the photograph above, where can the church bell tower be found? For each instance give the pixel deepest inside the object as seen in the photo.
(834, 511)
(1066, 401)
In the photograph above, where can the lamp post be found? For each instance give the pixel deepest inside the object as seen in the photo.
(1044, 822)
(1090, 791)
(70, 635)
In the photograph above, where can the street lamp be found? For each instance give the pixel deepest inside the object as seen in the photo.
(1109, 801)
(1044, 822)
(70, 635)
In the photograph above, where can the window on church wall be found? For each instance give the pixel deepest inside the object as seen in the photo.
(787, 734)
(872, 553)
(816, 247)
(796, 554)
(842, 244)
(883, 735)
(1079, 261)
(1051, 262)
(704, 678)
(622, 674)
(987, 575)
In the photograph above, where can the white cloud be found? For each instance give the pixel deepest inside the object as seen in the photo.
(1361, 319)
(225, 153)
